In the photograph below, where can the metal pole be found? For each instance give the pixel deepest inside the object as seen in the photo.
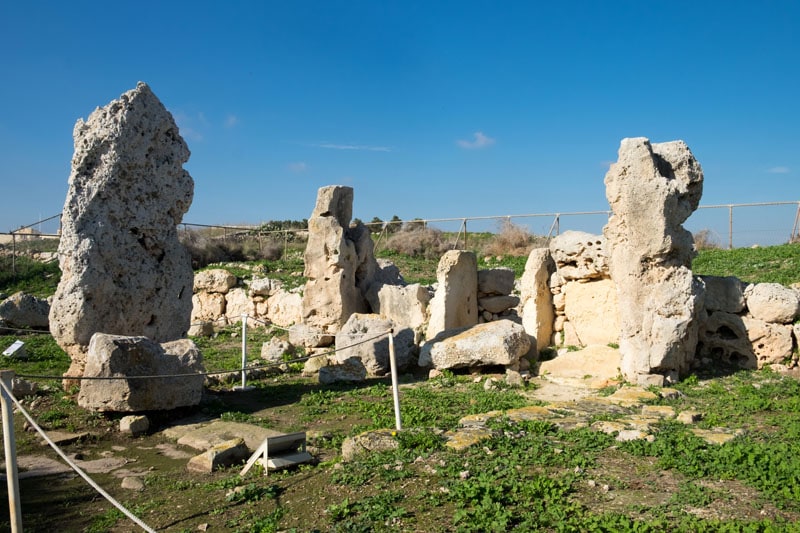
(395, 391)
(730, 227)
(14, 256)
(465, 233)
(10, 445)
(244, 351)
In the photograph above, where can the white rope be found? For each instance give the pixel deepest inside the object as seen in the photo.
(75, 467)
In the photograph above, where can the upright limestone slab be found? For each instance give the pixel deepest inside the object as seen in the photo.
(455, 304)
(339, 262)
(124, 271)
(652, 189)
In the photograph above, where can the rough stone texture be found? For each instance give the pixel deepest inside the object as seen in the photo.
(455, 303)
(652, 189)
(579, 255)
(723, 294)
(214, 280)
(134, 425)
(118, 356)
(227, 453)
(238, 303)
(285, 308)
(339, 261)
(124, 271)
(772, 343)
(274, 349)
(382, 440)
(501, 342)
(24, 311)
(592, 310)
(303, 335)
(498, 304)
(405, 305)
(772, 302)
(496, 281)
(723, 337)
(374, 354)
(536, 300)
(208, 307)
(350, 371)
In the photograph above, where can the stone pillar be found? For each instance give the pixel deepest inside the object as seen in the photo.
(455, 304)
(339, 262)
(536, 300)
(652, 189)
(124, 271)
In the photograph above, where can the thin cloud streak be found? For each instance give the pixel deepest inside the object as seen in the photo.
(362, 147)
(779, 170)
(480, 141)
(299, 167)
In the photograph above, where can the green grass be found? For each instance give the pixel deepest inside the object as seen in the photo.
(773, 264)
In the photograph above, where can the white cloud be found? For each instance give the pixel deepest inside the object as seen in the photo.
(364, 147)
(190, 126)
(480, 141)
(779, 170)
(231, 121)
(298, 167)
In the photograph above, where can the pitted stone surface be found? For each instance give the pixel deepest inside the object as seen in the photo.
(124, 271)
(652, 189)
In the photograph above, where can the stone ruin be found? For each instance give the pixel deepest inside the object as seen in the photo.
(124, 272)
(631, 286)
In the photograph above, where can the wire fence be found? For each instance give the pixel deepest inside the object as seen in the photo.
(723, 225)
(7, 396)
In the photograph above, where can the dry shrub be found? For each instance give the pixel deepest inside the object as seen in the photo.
(420, 242)
(512, 240)
(705, 240)
(206, 248)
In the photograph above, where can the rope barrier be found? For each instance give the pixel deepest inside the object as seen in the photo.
(210, 373)
(74, 466)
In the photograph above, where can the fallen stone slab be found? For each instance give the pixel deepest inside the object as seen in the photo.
(226, 453)
(206, 436)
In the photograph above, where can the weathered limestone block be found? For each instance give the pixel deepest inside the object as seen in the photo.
(536, 298)
(208, 307)
(772, 343)
(264, 286)
(652, 189)
(24, 311)
(284, 308)
(498, 304)
(405, 305)
(579, 255)
(723, 294)
(455, 303)
(304, 335)
(125, 357)
(723, 337)
(772, 302)
(124, 270)
(275, 349)
(592, 310)
(216, 280)
(339, 261)
(238, 303)
(495, 281)
(353, 341)
(501, 342)
(350, 371)
(228, 453)
(374, 441)
(134, 425)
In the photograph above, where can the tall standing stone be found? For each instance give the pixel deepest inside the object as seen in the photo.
(455, 303)
(124, 272)
(652, 189)
(339, 262)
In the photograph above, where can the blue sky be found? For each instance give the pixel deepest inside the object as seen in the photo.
(428, 109)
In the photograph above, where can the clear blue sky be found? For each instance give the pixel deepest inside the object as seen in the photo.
(428, 109)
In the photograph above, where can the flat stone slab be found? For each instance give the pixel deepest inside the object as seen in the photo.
(594, 363)
(206, 436)
(62, 438)
(31, 466)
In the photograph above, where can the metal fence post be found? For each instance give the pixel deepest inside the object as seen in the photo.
(395, 387)
(730, 227)
(10, 445)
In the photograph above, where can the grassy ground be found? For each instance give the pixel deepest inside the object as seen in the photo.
(529, 477)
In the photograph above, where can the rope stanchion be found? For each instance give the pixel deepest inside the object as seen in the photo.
(10, 447)
(72, 465)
